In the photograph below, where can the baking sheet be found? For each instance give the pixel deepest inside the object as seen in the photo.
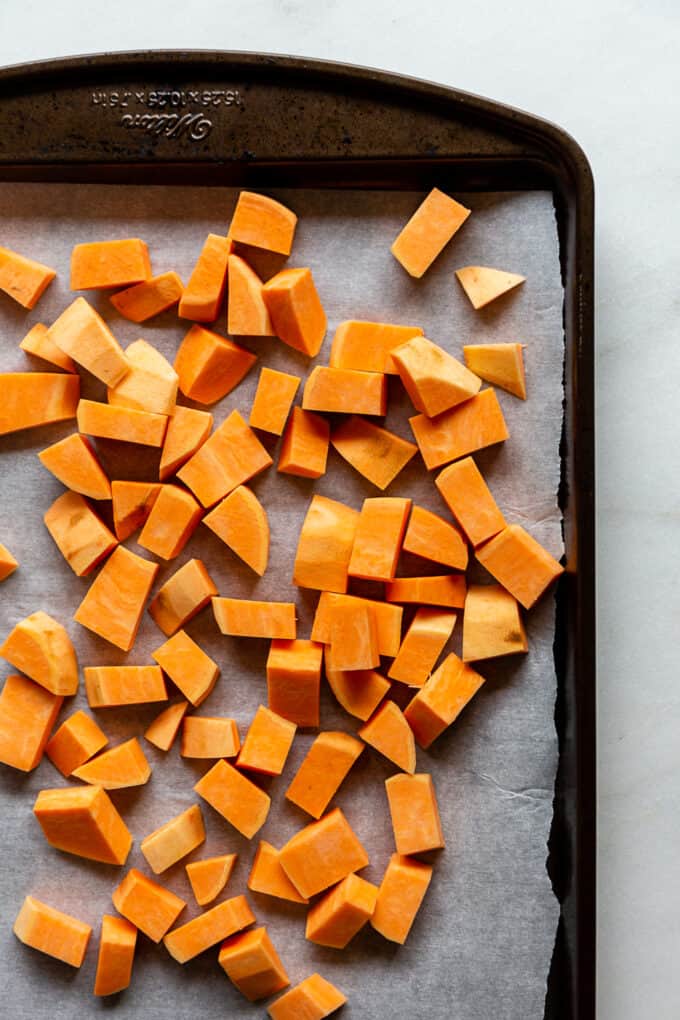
(482, 943)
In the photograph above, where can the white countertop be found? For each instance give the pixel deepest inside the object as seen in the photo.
(608, 72)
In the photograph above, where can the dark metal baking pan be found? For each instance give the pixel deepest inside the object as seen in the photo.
(247, 119)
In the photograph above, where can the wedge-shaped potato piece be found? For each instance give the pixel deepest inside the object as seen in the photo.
(424, 641)
(359, 691)
(247, 313)
(249, 618)
(322, 854)
(174, 840)
(209, 365)
(434, 380)
(400, 896)
(294, 680)
(209, 737)
(273, 399)
(268, 877)
(165, 727)
(325, 545)
(231, 456)
(172, 520)
(374, 452)
(187, 430)
(466, 428)
(387, 618)
(492, 624)
(353, 636)
(75, 742)
(116, 955)
(38, 343)
(389, 732)
(336, 918)
(124, 424)
(146, 904)
(132, 504)
(22, 278)
(109, 686)
(123, 766)
(80, 535)
(267, 743)
(446, 590)
(430, 536)
(252, 964)
(204, 292)
(499, 364)
(73, 461)
(378, 538)
(29, 399)
(40, 647)
(27, 714)
(368, 346)
(182, 596)
(115, 602)
(345, 391)
(188, 666)
(296, 311)
(150, 385)
(520, 564)
(83, 821)
(52, 932)
(441, 700)
(81, 333)
(483, 285)
(304, 449)
(322, 771)
(241, 522)
(8, 564)
(415, 813)
(150, 297)
(314, 998)
(263, 222)
(470, 501)
(433, 224)
(232, 795)
(209, 928)
(209, 877)
(101, 264)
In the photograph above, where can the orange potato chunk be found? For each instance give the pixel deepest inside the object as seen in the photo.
(247, 313)
(132, 504)
(182, 596)
(430, 536)
(209, 737)
(117, 769)
(188, 666)
(165, 727)
(173, 518)
(100, 264)
(241, 522)
(296, 311)
(81, 333)
(322, 854)
(116, 955)
(441, 700)
(492, 624)
(209, 877)
(114, 604)
(468, 498)
(38, 343)
(109, 686)
(150, 385)
(354, 636)
(442, 590)
(378, 538)
(8, 564)
(387, 619)
(253, 965)
(368, 346)
(150, 297)
(209, 928)
(400, 896)
(79, 534)
(267, 743)
(336, 918)
(29, 399)
(390, 734)
(236, 798)
(434, 380)
(125, 424)
(520, 564)
(273, 400)
(294, 680)
(414, 813)
(202, 296)
(24, 279)
(325, 545)
(73, 461)
(359, 691)
(314, 998)
(146, 904)
(75, 742)
(483, 284)
(52, 932)
(468, 427)
(374, 452)
(422, 645)
(187, 430)
(304, 449)
(83, 821)
(248, 618)
(499, 364)
(268, 877)
(345, 391)
(263, 222)
(174, 840)
(231, 456)
(27, 714)
(40, 647)
(209, 365)
(322, 771)
(433, 224)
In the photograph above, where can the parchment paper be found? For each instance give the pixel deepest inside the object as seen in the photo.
(481, 946)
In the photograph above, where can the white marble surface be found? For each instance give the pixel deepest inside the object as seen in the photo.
(608, 71)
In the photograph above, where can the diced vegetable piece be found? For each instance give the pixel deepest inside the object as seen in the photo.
(367, 346)
(336, 918)
(115, 602)
(314, 998)
(73, 461)
(322, 771)
(430, 536)
(108, 686)
(434, 380)
(81, 333)
(424, 641)
(248, 618)
(294, 680)
(80, 535)
(273, 399)
(8, 564)
(209, 928)
(40, 647)
(83, 821)
(374, 452)
(325, 545)
(414, 812)
(267, 743)
(253, 965)
(209, 737)
(247, 313)
(468, 498)
(22, 278)
(182, 596)
(400, 895)
(148, 298)
(345, 391)
(389, 732)
(492, 624)
(29, 399)
(209, 877)
(52, 932)
(187, 430)
(150, 385)
(132, 504)
(268, 877)
(146, 904)
(354, 636)
(443, 590)
(174, 840)
(231, 456)
(236, 798)
(123, 766)
(75, 742)
(116, 955)
(296, 311)
(433, 224)
(359, 691)
(304, 449)
(471, 426)
(441, 700)
(204, 292)
(188, 666)
(322, 854)
(165, 727)
(387, 618)
(241, 522)
(483, 285)
(101, 264)
(38, 343)
(173, 518)
(27, 714)
(263, 222)
(125, 424)
(499, 364)
(210, 366)
(520, 564)
(378, 539)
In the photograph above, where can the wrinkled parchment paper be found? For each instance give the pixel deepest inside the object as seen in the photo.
(481, 946)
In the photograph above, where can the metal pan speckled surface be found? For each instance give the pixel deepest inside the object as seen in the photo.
(271, 121)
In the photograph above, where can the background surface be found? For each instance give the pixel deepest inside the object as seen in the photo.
(607, 72)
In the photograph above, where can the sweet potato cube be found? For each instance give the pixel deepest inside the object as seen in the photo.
(424, 641)
(414, 812)
(187, 430)
(188, 666)
(150, 385)
(304, 448)
(209, 365)
(345, 391)
(209, 928)
(268, 877)
(109, 686)
(359, 691)
(322, 771)
(314, 998)
(165, 727)
(143, 300)
(132, 504)
(267, 743)
(322, 854)
(336, 918)
(100, 264)
(483, 284)
(73, 461)
(374, 452)
(430, 536)
(38, 343)
(114, 604)
(434, 380)
(253, 965)
(296, 311)
(446, 590)
(146, 904)
(378, 538)
(40, 647)
(354, 636)
(400, 895)
(231, 456)
(174, 517)
(241, 522)
(81, 333)
(209, 877)
(52, 932)
(387, 618)
(116, 955)
(247, 313)
(182, 596)
(263, 222)
(174, 840)
(389, 732)
(249, 618)
(120, 767)
(22, 278)
(29, 399)
(368, 346)
(232, 795)
(204, 292)
(468, 498)
(520, 564)
(499, 364)
(433, 224)
(209, 737)
(468, 427)
(124, 424)
(27, 714)
(8, 564)
(83, 821)
(492, 624)
(75, 742)
(294, 680)
(441, 700)
(325, 545)
(80, 535)
(273, 400)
